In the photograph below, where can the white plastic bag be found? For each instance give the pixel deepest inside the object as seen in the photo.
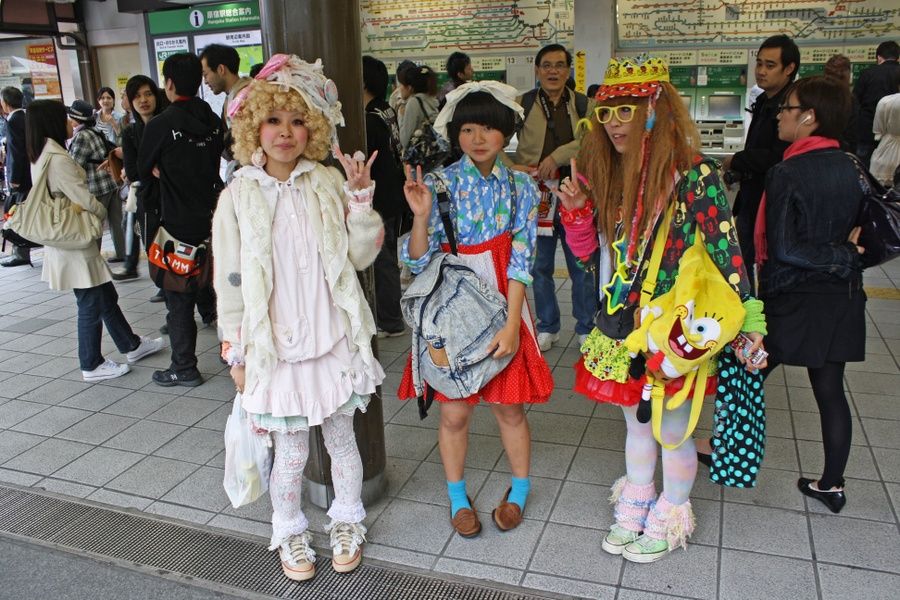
(248, 460)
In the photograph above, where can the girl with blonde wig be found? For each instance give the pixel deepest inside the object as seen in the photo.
(289, 235)
(640, 158)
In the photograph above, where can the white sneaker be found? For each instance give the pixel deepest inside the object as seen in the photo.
(148, 346)
(108, 370)
(346, 545)
(546, 340)
(582, 338)
(297, 557)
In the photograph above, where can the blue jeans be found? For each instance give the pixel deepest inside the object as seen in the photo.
(98, 306)
(584, 296)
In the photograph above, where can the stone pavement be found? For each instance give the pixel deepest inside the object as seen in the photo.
(130, 443)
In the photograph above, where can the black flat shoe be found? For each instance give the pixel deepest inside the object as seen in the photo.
(835, 501)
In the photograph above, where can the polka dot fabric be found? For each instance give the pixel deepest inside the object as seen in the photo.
(739, 426)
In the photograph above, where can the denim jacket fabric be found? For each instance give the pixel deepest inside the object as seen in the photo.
(812, 203)
(449, 307)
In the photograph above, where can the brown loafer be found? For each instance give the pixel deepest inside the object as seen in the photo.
(508, 515)
(466, 522)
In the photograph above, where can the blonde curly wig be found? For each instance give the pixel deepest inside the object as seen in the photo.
(262, 100)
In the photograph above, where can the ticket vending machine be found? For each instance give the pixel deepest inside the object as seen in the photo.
(720, 118)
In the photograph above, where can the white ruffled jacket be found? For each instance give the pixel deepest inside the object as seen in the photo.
(348, 241)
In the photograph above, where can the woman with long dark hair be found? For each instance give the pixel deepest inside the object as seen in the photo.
(146, 102)
(83, 270)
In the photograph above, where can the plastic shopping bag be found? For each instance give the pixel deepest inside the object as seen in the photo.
(248, 460)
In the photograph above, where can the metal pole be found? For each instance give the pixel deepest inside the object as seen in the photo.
(329, 30)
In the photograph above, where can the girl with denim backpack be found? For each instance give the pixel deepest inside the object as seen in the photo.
(289, 235)
(497, 241)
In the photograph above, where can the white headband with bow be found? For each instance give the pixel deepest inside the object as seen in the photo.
(503, 93)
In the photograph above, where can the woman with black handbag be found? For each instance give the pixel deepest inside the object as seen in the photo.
(81, 270)
(811, 265)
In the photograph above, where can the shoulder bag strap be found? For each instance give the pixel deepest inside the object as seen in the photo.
(513, 197)
(444, 209)
(648, 285)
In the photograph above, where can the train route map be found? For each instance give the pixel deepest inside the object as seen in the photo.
(644, 23)
(399, 29)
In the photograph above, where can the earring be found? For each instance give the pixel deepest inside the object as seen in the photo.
(258, 158)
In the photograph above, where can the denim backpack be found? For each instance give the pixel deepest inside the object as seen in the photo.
(454, 315)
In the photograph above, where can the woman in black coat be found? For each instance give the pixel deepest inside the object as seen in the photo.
(810, 276)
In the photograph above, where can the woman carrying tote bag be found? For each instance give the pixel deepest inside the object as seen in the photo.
(82, 270)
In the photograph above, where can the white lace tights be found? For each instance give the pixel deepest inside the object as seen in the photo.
(285, 484)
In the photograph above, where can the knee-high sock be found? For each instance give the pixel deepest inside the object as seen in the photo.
(640, 448)
(680, 464)
(346, 469)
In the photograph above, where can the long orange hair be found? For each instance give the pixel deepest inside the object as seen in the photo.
(615, 178)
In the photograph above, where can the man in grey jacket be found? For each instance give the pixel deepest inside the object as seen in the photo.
(547, 142)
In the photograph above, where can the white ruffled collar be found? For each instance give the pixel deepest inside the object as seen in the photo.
(265, 180)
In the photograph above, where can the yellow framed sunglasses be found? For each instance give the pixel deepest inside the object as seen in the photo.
(623, 112)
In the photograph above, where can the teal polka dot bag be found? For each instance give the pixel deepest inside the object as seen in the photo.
(739, 424)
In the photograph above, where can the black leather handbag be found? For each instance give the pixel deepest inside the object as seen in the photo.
(879, 218)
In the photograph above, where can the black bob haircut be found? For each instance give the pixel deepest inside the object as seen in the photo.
(481, 108)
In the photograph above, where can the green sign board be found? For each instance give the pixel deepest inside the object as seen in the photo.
(205, 18)
(682, 77)
(727, 76)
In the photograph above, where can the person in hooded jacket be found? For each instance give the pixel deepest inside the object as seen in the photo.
(181, 147)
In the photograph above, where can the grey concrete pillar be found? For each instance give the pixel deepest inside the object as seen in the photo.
(329, 29)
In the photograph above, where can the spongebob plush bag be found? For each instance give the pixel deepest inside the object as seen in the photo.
(682, 331)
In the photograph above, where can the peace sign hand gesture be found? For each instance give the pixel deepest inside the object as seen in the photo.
(570, 193)
(356, 167)
(418, 196)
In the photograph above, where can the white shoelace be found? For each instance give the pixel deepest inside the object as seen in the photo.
(349, 536)
(295, 549)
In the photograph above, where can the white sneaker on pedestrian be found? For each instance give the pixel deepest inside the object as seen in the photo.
(582, 338)
(546, 340)
(108, 370)
(148, 346)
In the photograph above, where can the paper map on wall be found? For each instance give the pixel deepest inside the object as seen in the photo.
(399, 29)
(643, 23)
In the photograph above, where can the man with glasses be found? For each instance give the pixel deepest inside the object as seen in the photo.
(547, 142)
(777, 63)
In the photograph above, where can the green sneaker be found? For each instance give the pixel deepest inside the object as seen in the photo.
(617, 538)
(645, 549)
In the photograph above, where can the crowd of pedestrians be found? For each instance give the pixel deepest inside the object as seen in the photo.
(616, 178)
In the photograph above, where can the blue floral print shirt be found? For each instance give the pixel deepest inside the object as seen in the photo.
(480, 211)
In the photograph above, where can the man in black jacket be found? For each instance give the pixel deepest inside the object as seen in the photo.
(382, 134)
(181, 146)
(874, 84)
(18, 169)
(777, 63)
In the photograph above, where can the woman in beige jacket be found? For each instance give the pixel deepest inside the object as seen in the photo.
(84, 271)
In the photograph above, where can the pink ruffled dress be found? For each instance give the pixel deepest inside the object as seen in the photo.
(317, 374)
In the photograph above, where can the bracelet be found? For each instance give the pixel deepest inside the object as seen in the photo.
(576, 215)
(233, 355)
(363, 195)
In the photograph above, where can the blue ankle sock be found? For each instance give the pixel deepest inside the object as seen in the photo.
(458, 499)
(519, 492)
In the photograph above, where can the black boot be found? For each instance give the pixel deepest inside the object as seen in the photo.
(20, 256)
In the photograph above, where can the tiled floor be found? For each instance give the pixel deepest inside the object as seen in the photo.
(132, 444)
